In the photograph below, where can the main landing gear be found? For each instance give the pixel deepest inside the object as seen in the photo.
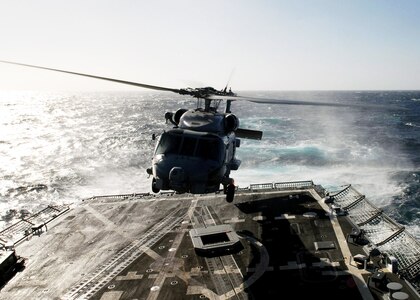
(155, 189)
(229, 190)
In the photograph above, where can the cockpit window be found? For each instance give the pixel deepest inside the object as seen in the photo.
(188, 146)
(169, 143)
(208, 147)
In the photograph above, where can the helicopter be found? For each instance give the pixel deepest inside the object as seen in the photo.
(198, 153)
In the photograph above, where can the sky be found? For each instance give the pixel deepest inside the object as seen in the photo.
(251, 45)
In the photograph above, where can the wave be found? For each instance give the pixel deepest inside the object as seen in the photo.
(411, 124)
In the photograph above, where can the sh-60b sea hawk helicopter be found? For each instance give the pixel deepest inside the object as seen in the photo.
(198, 153)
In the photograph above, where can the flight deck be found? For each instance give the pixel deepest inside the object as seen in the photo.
(274, 240)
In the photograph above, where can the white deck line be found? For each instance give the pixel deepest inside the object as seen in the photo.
(356, 273)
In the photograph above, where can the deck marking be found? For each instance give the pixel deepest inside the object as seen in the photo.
(113, 295)
(130, 276)
(195, 290)
(152, 253)
(99, 216)
(109, 224)
(94, 281)
(356, 273)
(163, 274)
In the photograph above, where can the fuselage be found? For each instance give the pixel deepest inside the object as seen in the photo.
(196, 156)
(189, 161)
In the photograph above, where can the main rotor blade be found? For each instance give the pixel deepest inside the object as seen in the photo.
(147, 86)
(297, 102)
(291, 102)
(277, 101)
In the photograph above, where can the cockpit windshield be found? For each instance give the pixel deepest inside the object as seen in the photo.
(205, 147)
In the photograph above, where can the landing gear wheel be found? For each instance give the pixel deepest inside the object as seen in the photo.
(154, 188)
(230, 192)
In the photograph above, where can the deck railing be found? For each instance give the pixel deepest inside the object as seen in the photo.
(385, 234)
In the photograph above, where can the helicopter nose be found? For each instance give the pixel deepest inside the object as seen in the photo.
(177, 176)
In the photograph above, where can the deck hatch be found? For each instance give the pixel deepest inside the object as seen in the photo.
(214, 238)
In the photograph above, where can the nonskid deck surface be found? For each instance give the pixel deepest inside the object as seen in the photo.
(138, 247)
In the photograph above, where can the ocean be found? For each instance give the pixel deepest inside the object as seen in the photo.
(59, 148)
